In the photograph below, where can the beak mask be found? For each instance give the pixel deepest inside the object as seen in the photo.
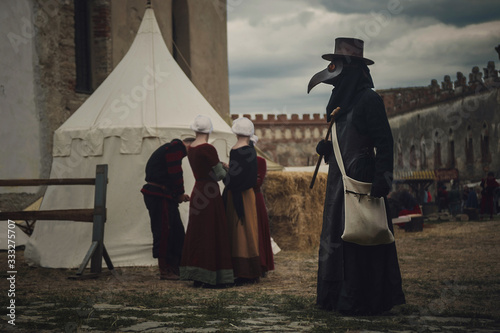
(325, 76)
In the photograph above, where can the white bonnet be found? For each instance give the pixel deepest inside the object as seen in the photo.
(243, 126)
(202, 124)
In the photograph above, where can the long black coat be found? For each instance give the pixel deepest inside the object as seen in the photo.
(356, 279)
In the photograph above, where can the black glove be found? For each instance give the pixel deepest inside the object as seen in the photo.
(324, 148)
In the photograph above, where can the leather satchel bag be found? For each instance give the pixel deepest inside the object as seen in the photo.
(365, 216)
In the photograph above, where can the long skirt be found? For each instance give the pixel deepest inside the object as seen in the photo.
(265, 247)
(244, 234)
(206, 256)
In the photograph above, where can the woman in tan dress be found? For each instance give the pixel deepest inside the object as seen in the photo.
(241, 211)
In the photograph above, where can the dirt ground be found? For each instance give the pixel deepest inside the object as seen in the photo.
(452, 251)
(295, 273)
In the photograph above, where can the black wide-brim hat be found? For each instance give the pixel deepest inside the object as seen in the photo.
(347, 49)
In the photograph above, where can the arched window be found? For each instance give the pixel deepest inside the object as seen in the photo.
(413, 158)
(399, 149)
(181, 32)
(469, 148)
(437, 150)
(485, 145)
(82, 47)
(451, 149)
(423, 153)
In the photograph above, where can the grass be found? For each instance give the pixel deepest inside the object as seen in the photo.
(448, 270)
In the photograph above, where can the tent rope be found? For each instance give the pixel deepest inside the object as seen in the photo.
(204, 93)
(180, 53)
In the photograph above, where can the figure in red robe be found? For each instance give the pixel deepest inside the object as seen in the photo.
(163, 191)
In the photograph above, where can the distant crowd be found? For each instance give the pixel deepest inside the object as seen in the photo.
(478, 202)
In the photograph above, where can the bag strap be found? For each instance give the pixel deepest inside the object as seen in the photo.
(336, 150)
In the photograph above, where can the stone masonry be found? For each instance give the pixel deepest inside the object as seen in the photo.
(289, 139)
(452, 125)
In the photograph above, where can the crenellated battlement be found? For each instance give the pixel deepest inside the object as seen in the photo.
(290, 139)
(281, 119)
(399, 101)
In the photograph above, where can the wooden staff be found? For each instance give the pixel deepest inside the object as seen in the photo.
(332, 115)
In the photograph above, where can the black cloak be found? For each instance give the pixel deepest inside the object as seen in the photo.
(355, 279)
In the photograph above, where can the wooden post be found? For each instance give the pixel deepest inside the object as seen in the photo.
(86, 260)
(101, 181)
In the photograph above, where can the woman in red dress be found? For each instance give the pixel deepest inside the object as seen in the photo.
(206, 256)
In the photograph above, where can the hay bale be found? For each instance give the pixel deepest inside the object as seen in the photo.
(295, 211)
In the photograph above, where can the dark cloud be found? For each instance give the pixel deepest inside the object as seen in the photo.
(275, 47)
(455, 12)
(270, 68)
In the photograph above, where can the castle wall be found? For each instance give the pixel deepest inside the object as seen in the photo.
(126, 17)
(289, 140)
(208, 45)
(462, 134)
(452, 125)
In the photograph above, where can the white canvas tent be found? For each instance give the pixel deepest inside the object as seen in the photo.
(146, 101)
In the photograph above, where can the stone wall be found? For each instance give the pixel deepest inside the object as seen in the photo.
(289, 140)
(56, 98)
(452, 125)
(403, 100)
(101, 36)
(126, 17)
(208, 45)
(461, 134)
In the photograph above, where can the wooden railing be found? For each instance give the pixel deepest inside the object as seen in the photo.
(97, 215)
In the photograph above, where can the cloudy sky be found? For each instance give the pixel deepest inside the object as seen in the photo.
(275, 46)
